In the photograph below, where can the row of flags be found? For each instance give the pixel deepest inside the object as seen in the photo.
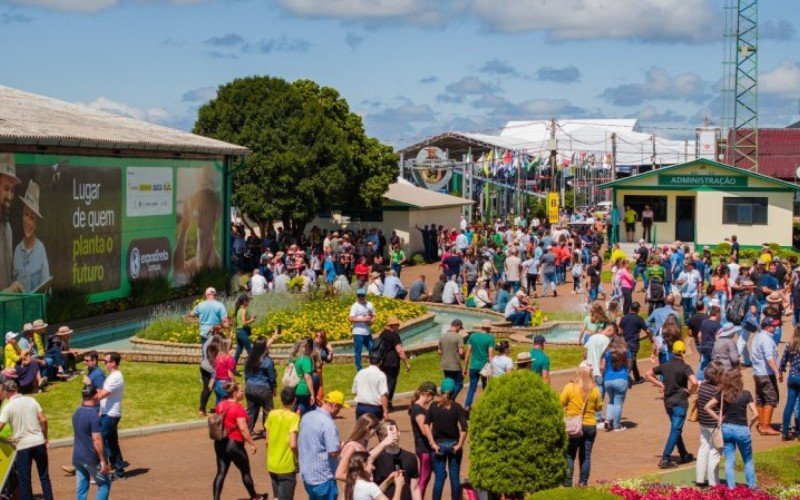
(503, 162)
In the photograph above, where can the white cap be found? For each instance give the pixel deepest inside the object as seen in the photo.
(11, 336)
(211, 290)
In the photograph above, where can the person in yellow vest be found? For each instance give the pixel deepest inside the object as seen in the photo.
(629, 217)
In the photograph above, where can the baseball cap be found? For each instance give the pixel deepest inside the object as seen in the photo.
(211, 291)
(448, 386)
(769, 321)
(679, 347)
(336, 398)
(361, 292)
(428, 387)
(539, 339)
(11, 336)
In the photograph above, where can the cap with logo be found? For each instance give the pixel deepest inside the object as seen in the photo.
(336, 398)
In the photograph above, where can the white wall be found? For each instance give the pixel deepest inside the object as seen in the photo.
(711, 230)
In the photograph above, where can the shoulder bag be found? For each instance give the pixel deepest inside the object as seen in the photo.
(216, 425)
(716, 437)
(574, 425)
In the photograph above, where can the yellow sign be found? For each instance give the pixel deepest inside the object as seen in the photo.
(552, 207)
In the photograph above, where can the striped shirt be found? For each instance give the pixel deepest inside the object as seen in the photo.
(318, 438)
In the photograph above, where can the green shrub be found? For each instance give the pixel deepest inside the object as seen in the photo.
(66, 304)
(218, 277)
(517, 438)
(416, 260)
(151, 290)
(749, 254)
(572, 494)
(723, 249)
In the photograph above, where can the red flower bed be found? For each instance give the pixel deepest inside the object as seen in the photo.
(663, 492)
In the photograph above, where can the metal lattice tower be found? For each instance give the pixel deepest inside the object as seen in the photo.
(740, 83)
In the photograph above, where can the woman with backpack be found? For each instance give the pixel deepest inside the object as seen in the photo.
(581, 400)
(260, 382)
(229, 448)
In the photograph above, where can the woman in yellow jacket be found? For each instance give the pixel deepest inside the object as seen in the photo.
(581, 395)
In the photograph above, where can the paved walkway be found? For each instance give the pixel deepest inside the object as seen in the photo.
(181, 464)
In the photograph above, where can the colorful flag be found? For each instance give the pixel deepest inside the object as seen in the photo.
(508, 158)
(487, 164)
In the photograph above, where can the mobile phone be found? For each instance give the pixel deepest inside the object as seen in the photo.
(398, 464)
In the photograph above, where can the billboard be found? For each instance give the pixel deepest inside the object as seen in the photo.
(96, 223)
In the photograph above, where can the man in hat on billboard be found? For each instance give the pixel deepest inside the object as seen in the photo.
(30, 267)
(8, 185)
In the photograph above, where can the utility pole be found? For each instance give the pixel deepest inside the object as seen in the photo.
(402, 164)
(653, 158)
(613, 156)
(553, 149)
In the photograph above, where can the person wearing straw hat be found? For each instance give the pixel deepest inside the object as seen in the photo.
(479, 353)
(31, 269)
(390, 346)
(524, 361)
(8, 185)
(63, 357)
(725, 350)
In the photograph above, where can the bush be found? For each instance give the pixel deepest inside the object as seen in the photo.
(218, 277)
(572, 494)
(723, 249)
(416, 260)
(517, 438)
(66, 304)
(146, 291)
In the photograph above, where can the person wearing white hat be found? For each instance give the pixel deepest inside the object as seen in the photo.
(30, 266)
(8, 185)
(210, 313)
(517, 311)
(725, 350)
(11, 351)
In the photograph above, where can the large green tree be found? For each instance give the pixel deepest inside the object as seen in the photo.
(310, 152)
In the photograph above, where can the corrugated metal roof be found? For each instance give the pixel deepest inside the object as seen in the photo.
(778, 152)
(31, 119)
(418, 197)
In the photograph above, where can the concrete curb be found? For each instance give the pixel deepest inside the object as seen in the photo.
(141, 431)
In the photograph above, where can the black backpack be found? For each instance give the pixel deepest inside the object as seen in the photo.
(737, 308)
(655, 291)
(378, 351)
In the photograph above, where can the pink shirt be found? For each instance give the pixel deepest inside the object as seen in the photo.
(625, 278)
(223, 364)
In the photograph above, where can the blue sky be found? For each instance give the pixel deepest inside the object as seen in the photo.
(409, 67)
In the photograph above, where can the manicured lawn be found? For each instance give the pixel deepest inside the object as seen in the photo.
(780, 465)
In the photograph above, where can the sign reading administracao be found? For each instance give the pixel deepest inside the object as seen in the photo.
(716, 181)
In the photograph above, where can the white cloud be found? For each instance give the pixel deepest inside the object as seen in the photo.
(782, 80)
(89, 5)
(658, 84)
(651, 20)
(153, 115)
(355, 9)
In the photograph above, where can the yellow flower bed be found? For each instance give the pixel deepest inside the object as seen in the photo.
(300, 317)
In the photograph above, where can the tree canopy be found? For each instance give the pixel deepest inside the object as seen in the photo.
(310, 152)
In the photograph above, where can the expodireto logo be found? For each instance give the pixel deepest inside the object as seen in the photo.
(149, 257)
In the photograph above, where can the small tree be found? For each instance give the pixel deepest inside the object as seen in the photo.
(517, 437)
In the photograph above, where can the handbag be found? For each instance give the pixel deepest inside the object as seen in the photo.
(486, 371)
(216, 425)
(716, 437)
(574, 425)
(692, 415)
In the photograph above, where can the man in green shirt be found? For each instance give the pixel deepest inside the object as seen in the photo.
(479, 352)
(540, 362)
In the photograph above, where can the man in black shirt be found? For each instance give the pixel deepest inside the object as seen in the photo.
(707, 338)
(391, 348)
(679, 382)
(393, 458)
(696, 320)
(632, 325)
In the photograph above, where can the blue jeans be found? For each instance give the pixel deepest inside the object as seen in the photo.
(677, 416)
(458, 378)
(616, 390)
(582, 449)
(375, 411)
(792, 399)
(243, 343)
(722, 297)
(593, 291)
(514, 286)
(519, 318)
(777, 335)
(83, 471)
(738, 436)
(474, 375)
(447, 463)
(688, 304)
(108, 428)
(704, 362)
(598, 381)
(24, 462)
(640, 271)
(361, 342)
(219, 391)
(397, 268)
(322, 491)
(547, 280)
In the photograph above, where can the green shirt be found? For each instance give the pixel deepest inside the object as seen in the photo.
(498, 239)
(398, 256)
(480, 343)
(539, 361)
(302, 366)
(656, 272)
